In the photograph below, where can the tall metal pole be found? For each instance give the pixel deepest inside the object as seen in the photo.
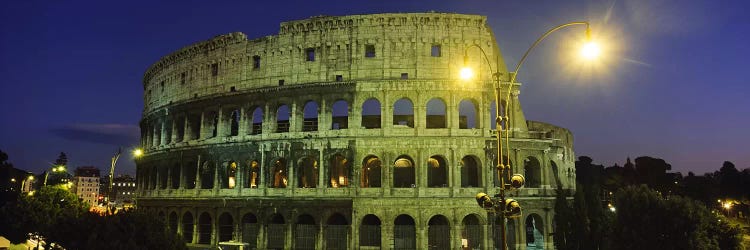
(112, 174)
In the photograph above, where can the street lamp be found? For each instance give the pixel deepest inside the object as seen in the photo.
(509, 208)
(55, 168)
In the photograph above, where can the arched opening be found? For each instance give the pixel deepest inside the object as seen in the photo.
(336, 232)
(403, 172)
(275, 231)
(234, 123)
(555, 173)
(435, 114)
(305, 232)
(438, 233)
(207, 175)
(403, 113)
(437, 171)
(471, 232)
(256, 123)
(250, 230)
(371, 113)
(180, 129)
(534, 232)
(532, 172)
(369, 231)
(226, 227)
(204, 228)
(282, 119)
(189, 174)
(278, 174)
(307, 172)
(404, 233)
(187, 227)
(510, 233)
(172, 222)
(467, 114)
(310, 116)
(339, 171)
(470, 172)
(507, 163)
(231, 175)
(492, 115)
(163, 177)
(175, 176)
(371, 171)
(162, 216)
(340, 115)
(251, 174)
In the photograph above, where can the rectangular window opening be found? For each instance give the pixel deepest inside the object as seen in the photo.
(215, 69)
(256, 62)
(310, 54)
(435, 52)
(232, 89)
(281, 82)
(404, 76)
(369, 50)
(339, 78)
(182, 77)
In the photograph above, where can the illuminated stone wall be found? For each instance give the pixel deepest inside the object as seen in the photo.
(336, 121)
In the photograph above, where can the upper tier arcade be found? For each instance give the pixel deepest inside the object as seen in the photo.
(427, 46)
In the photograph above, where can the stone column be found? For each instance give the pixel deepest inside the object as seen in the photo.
(195, 228)
(203, 129)
(198, 180)
(324, 167)
(156, 183)
(156, 135)
(216, 175)
(221, 124)
(245, 121)
(169, 177)
(386, 233)
(187, 132)
(296, 117)
(174, 136)
(182, 175)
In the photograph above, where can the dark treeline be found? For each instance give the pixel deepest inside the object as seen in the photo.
(643, 205)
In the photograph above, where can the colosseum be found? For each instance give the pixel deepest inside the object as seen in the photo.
(348, 132)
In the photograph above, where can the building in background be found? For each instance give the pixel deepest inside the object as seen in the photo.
(123, 191)
(86, 184)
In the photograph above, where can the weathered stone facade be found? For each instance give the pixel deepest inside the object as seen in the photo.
(341, 132)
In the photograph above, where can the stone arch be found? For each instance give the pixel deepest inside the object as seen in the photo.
(339, 171)
(532, 171)
(256, 121)
(251, 174)
(226, 227)
(189, 174)
(439, 232)
(229, 180)
(471, 232)
(371, 172)
(436, 113)
(340, 115)
(371, 117)
(555, 173)
(307, 172)
(283, 115)
(404, 232)
(175, 174)
(310, 116)
(234, 122)
(278, 176)
(207, 175)
(437, 171)
(369, 231)
(276, 232)
(534, 225)
(172, 222)
(403, 113)
(250, 229)
(205, 227)
(187, 227)
(403, 172)
(471, 171)
(467, 114)
(305, 232)
(336, 232)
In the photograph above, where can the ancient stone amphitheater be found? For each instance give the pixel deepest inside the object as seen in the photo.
(349, 132)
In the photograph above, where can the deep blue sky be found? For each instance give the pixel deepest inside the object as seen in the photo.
(674, 84)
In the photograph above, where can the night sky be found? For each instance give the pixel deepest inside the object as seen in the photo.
(673, 85)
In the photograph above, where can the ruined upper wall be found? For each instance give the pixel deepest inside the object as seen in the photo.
(403, 47)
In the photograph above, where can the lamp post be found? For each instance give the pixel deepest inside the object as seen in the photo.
(509, 208)
(30, 178)
(55, 168)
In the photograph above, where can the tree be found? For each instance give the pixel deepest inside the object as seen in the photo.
(565, 222)
(646, 220)
(39, 213)
(62, 160)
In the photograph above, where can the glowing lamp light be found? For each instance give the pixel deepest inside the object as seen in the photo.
(138, 152)
(590, 50)
(466, 73)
